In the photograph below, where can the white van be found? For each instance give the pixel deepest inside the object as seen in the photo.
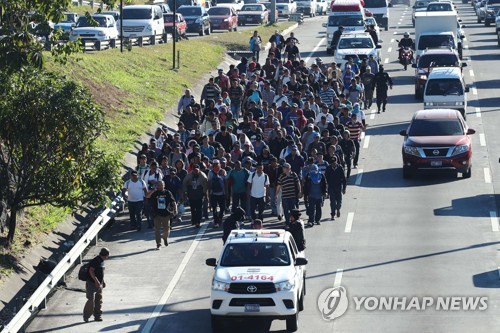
(380, 11)
(445, 89)
(347, 13)
(143, 21)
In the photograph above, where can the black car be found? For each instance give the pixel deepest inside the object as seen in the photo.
(197, 19)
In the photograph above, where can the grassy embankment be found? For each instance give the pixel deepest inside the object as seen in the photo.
(135, 89)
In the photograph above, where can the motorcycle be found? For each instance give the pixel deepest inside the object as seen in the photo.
(405, 56)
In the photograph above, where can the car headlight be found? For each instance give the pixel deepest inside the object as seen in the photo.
(219, 285)
(149, 28)
(329, 36)
(411, 150)
(226, 20)
(422, 77)
(101, 33)
(285, 285)
(460, 149)
(459, 103)
(428, 104)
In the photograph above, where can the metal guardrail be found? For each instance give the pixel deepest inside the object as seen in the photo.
(75, 254)
(87, 3)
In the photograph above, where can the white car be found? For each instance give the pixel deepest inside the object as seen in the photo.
(357, 45)
(286, 7)
(260, 273)
(371, 21)
(104, 31)
(322, 7)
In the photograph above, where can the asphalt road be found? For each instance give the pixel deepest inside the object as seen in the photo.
(434, 235)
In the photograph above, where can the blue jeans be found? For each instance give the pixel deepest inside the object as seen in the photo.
(235, 110)
(288, 205)
(135, 211)
(314, 209)
(335, 199)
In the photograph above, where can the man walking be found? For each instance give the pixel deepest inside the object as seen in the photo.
(289, 185)
(134, 190)
(337, 184)
(94, 286)
(315, 190)
(195, 186)
(164, 207)
(381, 83)
(258, 191)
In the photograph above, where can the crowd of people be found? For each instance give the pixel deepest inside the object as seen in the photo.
(258, 137)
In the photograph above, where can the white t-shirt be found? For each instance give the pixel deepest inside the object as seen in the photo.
(329, 117)
(259, 184)
(135, 190)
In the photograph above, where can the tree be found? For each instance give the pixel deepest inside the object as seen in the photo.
(48, 152)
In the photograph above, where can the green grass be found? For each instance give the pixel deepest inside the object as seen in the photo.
(135, 89)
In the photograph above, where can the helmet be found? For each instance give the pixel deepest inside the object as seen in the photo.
(406, 34)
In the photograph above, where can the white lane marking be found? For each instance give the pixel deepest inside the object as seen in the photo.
(395, 33)
(175, 279)
(315, 49)
(338, 278)
(494, 223)
(471, 72)
(389, 50)
(386, 60)
(348, 224)
(478, 112)
(474, 90)
(399, 22)
(367, 142)
(482, 140)
(372, 115)
(487, 176)
(392, 40)
(359, 176)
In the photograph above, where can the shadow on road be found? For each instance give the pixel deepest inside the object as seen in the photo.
(486, 279)
(475, 206)
(393, 178)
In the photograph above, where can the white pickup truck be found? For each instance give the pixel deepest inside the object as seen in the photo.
(306, 7)
(436, 29)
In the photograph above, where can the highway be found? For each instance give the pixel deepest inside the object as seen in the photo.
(434, 235)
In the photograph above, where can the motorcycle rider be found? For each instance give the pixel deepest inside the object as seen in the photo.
(405, 42)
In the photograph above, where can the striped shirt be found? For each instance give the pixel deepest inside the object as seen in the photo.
(354, 128)
(327, 96)
(289, 185)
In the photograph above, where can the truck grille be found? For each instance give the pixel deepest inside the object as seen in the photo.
(242, 288)
(436, 152)
(87, 35)
(133, 29)
(356, 56)
(244, 301)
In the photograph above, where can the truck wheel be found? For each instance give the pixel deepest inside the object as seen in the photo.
(292, 323)
(479, 19)
(216, 324)
(301, 299)
(467, 174)
(202, 32)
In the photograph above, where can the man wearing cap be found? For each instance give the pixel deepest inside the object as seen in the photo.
(94, 286)
(327, 94)
(164, 209)
(217, 191)
(135, 190)
(222, 80)
(195, 188)
(324, 113)
(295, 159)
(289, 185)
(336, 38)
(258, 191)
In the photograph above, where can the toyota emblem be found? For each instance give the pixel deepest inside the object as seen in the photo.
(251, 289)
(435, 152)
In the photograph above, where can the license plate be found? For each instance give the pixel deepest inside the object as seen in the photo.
(249, 19)
(252, 308)
(436, 163)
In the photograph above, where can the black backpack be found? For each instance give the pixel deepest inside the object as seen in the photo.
(83, 272)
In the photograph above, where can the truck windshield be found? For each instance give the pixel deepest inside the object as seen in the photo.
(355, 43)
(84, 23)
(345, 20)
(444, 87)
(438, 60)
(255, 254)
(434, 41)
(375, 3)
(435, 127)
(137, 14)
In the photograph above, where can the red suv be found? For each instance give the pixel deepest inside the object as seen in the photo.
(437, 139)
(223, 17)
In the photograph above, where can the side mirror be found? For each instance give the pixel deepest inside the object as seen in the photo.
(379, 46)
(414, 65)
(466, 89)
(470, 131)
(403, 133)
(390, 5)
(212, 262)
(301, 261)
(464, 64)
(324, 25)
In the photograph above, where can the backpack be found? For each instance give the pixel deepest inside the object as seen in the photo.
(216, 183)
(265, 177)
(83, 272)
